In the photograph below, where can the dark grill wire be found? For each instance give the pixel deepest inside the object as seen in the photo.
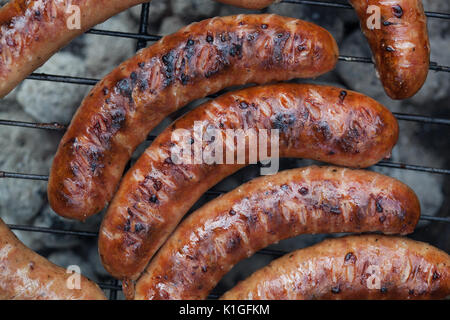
(142, 38)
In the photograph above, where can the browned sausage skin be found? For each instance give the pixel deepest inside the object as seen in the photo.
(309, 200)
(315, 122)
(400, 46)
(25, 275)
(250, 4)
(200, 59)
(356, 267)
(31, 31)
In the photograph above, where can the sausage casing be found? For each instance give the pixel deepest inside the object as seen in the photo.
(25, 275)
(315, 122)
(200, 59)
(309, 200)
(355, 267)
(399, 44)
(31, 31)
(398, 38)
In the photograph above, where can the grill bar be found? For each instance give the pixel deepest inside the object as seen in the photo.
(62, 127)
(92, 82)
(142, 43)
(433, 65)
(389, 164)
(142, 38)
(412, 167)
(34, 125)
(25, 176)
(53, 231)
(63, 79)
(129, 35)
(89, 234)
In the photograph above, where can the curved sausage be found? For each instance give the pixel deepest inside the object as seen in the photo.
(266, 210)
(200, 59)
(316, 122)
(31, 31)
(250, 4)
(25, 275)
(356, 267)
(400, 45)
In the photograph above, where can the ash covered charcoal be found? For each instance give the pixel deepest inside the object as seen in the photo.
(23, 151)
(31, 151)
(192, 10)
(54, 102)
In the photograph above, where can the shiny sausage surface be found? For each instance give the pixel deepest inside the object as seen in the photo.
(198, 60)
(25, 275)
(250, 4)
(31, 31)
(400, 43)
(357, 267)
(266, 210)
(315, 122)
(398, 37)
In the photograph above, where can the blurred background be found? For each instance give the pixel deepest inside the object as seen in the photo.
(24, 150)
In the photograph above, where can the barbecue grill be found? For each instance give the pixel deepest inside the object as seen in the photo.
(143, 38)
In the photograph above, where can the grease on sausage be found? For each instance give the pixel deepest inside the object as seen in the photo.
(356, 267)
(309, 200)
(400, 46)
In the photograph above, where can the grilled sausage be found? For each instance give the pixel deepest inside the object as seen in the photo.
(317, 122)
(31, 31)
(356, 267)
(25, 275)
(400, 45)
(309, 200)
(250, 4)
(200, 59)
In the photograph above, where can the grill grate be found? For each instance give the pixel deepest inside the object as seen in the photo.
(143, 38)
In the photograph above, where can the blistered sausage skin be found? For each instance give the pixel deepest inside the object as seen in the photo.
(308, 200)
(31, 31)
(355, 267)
(200, 59)
(400, 46)
(250, 4)
(316, 122)
(25, 275)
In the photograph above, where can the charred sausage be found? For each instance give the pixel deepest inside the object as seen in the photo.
(200, 59)
(399, 43)
(397, 34)
(25, 275)
(309, 200)
(356, 267)
(316, 122)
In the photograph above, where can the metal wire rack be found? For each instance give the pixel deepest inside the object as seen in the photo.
(143, 37)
